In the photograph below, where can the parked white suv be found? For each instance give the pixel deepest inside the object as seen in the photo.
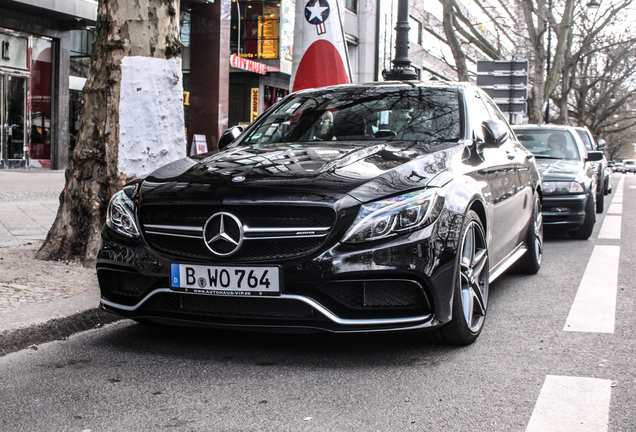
(629, 166)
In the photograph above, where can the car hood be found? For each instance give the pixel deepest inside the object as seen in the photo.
(313, 172)
(560, 170)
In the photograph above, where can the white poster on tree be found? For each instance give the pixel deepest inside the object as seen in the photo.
(151, 124)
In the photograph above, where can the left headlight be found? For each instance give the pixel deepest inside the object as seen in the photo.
(121, 215)
(551, 187)
(395, 215)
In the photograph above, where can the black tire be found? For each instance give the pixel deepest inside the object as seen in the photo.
(600, 196)
(585, 231)
(470, 297)
(530, 262)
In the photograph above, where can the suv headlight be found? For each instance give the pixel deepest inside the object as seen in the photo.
(562, 187)
(121, 214)
(395, 215)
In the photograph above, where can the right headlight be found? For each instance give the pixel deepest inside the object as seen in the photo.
(550, 187)
(121, 215)
(395, 215)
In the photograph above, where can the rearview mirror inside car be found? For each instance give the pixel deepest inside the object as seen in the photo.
(600, 144)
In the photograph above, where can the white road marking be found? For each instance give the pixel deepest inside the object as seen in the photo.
(615, 208)
(572, 404)
(594, 306)
(611, 228)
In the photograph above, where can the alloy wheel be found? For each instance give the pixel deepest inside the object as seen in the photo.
(473, 281)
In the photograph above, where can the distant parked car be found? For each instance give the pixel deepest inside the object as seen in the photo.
(568, 176)
(618, 167)
(602, 174)
(629, 166)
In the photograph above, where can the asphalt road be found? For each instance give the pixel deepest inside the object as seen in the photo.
(130, 377)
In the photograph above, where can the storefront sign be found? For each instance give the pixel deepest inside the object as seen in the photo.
(254, 102)
(248, 65)
(186, 97)
(13, 52)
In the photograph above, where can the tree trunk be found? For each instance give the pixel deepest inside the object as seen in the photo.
(453, 41)
(147, 28)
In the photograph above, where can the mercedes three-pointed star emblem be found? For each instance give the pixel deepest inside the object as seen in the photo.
(223, 234)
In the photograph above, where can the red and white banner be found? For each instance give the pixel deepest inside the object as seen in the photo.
(320, 51)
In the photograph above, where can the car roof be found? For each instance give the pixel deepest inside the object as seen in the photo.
(393, 85)
(543, 127)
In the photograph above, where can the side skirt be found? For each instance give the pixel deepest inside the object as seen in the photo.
(507, 262)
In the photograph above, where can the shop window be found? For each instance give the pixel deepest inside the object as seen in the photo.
(40, 99)
(255, 33)
(81, 50)
(272, 95)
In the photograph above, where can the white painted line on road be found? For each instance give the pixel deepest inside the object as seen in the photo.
(615, 208)
(611, 228)
(594, 307)
(572, 404)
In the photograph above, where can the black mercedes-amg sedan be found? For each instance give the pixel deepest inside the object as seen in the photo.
(356, 208)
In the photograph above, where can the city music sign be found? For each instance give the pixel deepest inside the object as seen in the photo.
(248, 65)
(13, 51)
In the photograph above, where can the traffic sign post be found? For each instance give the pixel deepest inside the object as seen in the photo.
(505, 81)
(494, 81)
(507, 93)
(518, 67)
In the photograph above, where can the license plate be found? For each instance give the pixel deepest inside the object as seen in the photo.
(224, 280)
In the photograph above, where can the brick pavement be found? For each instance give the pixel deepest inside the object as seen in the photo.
(28, 205)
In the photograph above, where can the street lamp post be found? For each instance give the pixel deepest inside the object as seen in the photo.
(402, 70)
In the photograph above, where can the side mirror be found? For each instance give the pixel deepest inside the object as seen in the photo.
(495, 132)
(601, 145)
(594, 156)
(230, 135)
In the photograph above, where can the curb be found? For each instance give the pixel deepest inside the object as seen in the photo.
(54, 329)
(58, 319)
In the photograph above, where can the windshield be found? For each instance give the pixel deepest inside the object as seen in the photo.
(354, 114)
(553, 144)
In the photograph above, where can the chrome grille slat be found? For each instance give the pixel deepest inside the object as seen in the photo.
(271, 230)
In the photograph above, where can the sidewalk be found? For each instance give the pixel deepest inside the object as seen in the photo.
(39, 300)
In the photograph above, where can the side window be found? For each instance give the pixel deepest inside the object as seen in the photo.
(479, 113)
(496, 113)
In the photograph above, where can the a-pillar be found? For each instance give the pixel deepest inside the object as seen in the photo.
(209, 70)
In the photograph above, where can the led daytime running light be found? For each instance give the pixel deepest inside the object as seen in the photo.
(394, 215)
(121, 215)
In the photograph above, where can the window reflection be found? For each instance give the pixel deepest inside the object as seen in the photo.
(417, 114)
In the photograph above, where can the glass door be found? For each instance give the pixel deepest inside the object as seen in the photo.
(13, 116)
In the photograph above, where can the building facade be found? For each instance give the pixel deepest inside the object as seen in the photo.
(45, 47)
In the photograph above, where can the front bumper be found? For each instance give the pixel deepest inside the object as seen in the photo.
(566, 211)
(405, 283)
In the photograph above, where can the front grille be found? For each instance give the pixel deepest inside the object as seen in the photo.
(231, 307)
(181, 232)
(257, 216)
(381, 294)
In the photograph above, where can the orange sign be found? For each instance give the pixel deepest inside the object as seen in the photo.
(254, 102)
